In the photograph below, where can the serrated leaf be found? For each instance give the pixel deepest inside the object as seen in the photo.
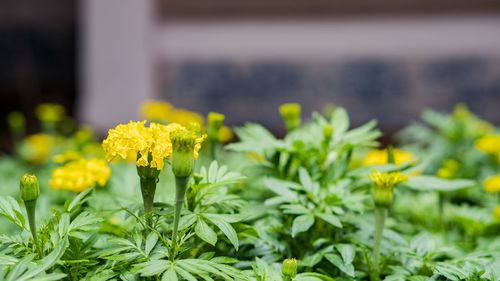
(225, 227)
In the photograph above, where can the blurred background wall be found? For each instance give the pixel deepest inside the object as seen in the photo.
(384, 59)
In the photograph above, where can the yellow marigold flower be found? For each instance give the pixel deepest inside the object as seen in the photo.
(489, 144)
(136, 138)
(496, 213)
(387, 180)
(384, 185)
(155, 110)
(184, 117)
(185, 140)
(492, 184)
(38, 148)
(449, 169)
(225, 134)
(80, 175)
(50, 112)
(380, 157)
(445, 173)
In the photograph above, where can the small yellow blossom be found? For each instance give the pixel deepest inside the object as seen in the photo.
(290, 112)
(80, 175)
(380, 157)
(496, 213)
(37, 148)
(50, 112)
(225, 134)
(156, 111)
(384, 185)
(489, 144)
(492, 184)
(387, 180)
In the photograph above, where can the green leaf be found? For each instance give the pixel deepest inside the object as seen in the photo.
(205, 232)
(301, 224)
(338, 262)
(428, 183)
(170, 275)
(77, 201)
(186, 221)
(347, 251)
(331, 219)
(225, 227)
(151, 241)
(340, 122)
(305, 179)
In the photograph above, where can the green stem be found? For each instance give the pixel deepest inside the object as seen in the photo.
(286, 278)
(441, 208)
(180, 187)
(213, 149)
(148, 189)
(380, 214)
(30, 210)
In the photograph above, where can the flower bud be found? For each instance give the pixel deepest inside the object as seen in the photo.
(290, 112)
(384, 186)
(29, 187)
(16, 120)
(197, 178)
(327, 132)
(183, 142)
(214, 121)
(289, 268)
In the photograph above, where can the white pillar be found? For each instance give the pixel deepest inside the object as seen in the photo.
(116, 60)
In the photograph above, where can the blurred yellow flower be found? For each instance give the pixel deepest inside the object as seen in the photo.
(38, 148)
(184, 117)
(489, 144)
(225, 134)
(380, 157)
(67, 156)
(496, 213)
(50, 112)
(492, 184)
(156, 111)
(135, 137)
(80, 175)
(449, 169)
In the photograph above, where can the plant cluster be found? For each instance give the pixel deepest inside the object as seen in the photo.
(166, 199)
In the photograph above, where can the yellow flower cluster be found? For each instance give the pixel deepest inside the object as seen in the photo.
(387, 180)
(380, 157)
(135, 137)
(80, 175)
(164, 112)
(489, 144)
(492, 184)
(50, 112)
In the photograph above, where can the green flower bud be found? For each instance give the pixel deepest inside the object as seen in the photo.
(183, 143)
(384, 186)
(29, 188)
(327, 131)
(289, 268)
(16, 120)
(214, 121)
(197, 178)
(290, 112)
